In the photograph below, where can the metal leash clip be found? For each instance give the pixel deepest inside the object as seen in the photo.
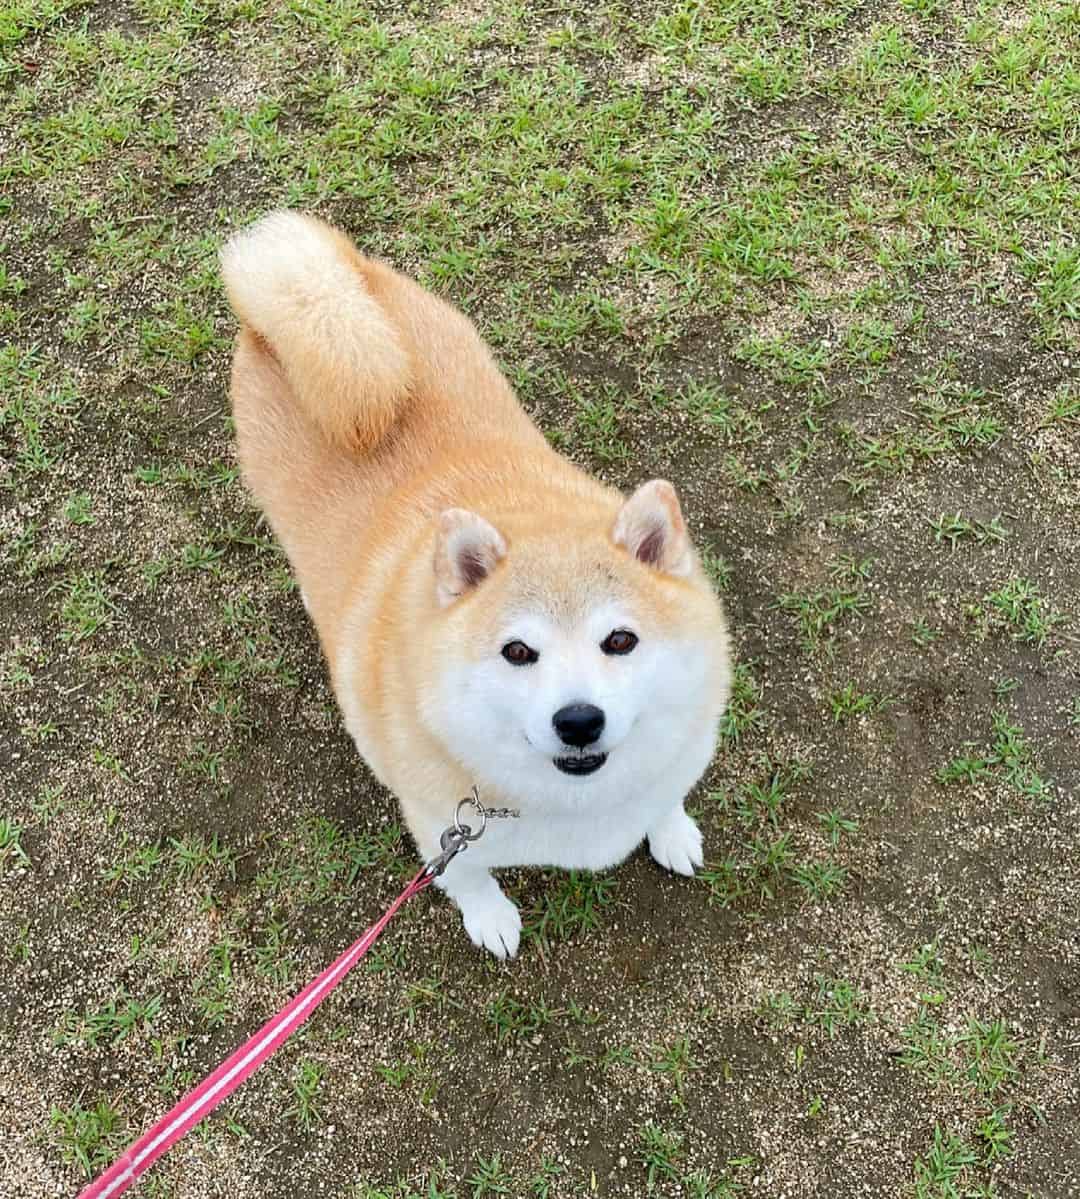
(457, 837)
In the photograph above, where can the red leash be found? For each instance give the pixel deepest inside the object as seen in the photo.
(140, 1156)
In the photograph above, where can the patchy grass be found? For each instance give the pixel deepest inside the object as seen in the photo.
(1010, 756)
(816, 264)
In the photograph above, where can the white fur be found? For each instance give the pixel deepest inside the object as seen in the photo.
(608, 822)
(496, 719)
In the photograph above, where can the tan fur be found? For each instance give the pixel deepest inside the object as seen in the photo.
(329, 332)
(365, 409)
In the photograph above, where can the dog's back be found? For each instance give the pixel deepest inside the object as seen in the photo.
(342, 362)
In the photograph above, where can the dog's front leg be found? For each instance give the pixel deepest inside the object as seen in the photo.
(675, 842)
(491, 920)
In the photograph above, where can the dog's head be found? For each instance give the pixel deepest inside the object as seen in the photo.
(573, 648)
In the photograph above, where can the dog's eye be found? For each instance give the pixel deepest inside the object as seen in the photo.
(621, 641)
(517, 653)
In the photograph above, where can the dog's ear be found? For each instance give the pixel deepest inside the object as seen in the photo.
(467, 550)
(650, 526)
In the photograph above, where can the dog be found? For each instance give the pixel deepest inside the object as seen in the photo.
(491, 615)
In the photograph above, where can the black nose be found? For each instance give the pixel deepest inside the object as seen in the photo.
(579, 724)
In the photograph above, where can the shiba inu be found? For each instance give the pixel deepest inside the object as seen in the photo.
(491, 615)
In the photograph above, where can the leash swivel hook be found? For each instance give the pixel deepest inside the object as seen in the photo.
(457, 837)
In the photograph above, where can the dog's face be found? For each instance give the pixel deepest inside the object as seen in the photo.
(573, 664)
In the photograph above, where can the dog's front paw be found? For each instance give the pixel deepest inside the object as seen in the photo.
(492, 921)
(676, 843)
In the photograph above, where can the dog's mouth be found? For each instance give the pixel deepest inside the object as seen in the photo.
(582, 764)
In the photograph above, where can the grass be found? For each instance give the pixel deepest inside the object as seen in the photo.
(12, 854)
(85, 605)
(954, 528)
(957, 1165)
(661, 1153)
(983, 1057)
(817, 265)
(194, 857)
(766, 863)
(1065, 407)
(117, 1020)
(818, 613)
(946, 1168)
(489, 1178)
(743, 715)
(1009, 757)
(88, 1137)
(1019, 606)
(835, 1003)
(675, 1062)
(318, 860)
(306, 1085)
(849, 702)
(572, 905)
(512, 1017)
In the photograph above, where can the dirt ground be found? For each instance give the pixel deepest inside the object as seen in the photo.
(817, 265)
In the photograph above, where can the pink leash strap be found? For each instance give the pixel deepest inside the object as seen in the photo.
(140, 1156)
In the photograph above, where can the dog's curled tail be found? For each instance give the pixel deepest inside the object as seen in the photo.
(306, 291)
